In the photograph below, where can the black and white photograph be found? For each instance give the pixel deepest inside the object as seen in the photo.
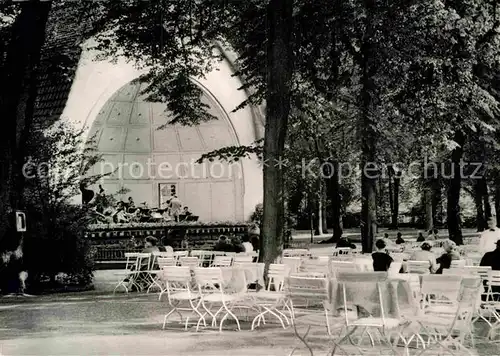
(250, 177)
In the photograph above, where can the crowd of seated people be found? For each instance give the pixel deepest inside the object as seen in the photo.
(128, 212)
(382, 259)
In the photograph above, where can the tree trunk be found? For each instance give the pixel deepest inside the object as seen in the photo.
(368, 135)
(279, 75)
(324, 220)
(478, 202)
(19, 78)
(319, 211)
(454, 187)
(429, 217)
(497, 200)
(333, 189)
(486, 200)
(391, 193)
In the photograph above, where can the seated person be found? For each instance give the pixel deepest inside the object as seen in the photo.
(237, 246)
(450, 254)
(345, 242)
(381, 259)
(492, 259)
(255, 241)
(167, 245)
(223, 245)
(425, 254)
(420, 237)
(151, 245)
(247, 245)
(399, 239)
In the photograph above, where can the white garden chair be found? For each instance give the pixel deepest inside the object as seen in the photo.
(419, 267)
(458, 263)
(272, 300)
(449, 330)
(243, 258)
(178, 289)
(211, 286)
(315, 266)
(295, 252)
(222, 261)
(440, 293)
(293, 263)
(315, 291)
(154, 271)
(131, 276)
(190, 262)
(342, 266)
(202, 255)
(376, 318)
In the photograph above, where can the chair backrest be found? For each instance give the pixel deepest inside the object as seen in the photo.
(295, 252)
(494, 278)
(222, 261)
(176, 274)
(199, 253)
(420, 267)
(315, 265)
(230, 254)
(177, 279)
(354, 293)
(400, 257)
(209, 278)
(293, 263)
(180, 254)
(361, 276)
(276, 276)
(313, 290)
(440, 289)
(138, 260)
(341, 251)
(242, 258)
(481, 271)
(189, 261)
(458, 263)
(166, 262)
(342, 266)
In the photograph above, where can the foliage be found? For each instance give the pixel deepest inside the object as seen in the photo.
(54, 241)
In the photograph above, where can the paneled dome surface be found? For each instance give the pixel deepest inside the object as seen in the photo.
(146, 159)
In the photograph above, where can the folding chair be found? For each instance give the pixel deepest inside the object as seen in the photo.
(295, 252)
(440, 293)
(243, 258)
(364, 314)
(213, 291)
(448, 331)
(155, 269)
(190, 262)
(132, 273)
(315, 266)
(271, 300)
(342, 266)
(203, 256)
(458, 263)
(316, 293)
(293, 263)
(419, 267)
(222, 261)
(178, 289)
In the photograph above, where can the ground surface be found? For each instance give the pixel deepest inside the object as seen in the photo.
(88, 324)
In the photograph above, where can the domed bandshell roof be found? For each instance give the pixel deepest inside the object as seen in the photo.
(127, 134)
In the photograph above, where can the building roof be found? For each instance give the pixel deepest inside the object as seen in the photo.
(66, 30)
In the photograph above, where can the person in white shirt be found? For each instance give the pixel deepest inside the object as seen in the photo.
(489, 238)
(247, 245)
